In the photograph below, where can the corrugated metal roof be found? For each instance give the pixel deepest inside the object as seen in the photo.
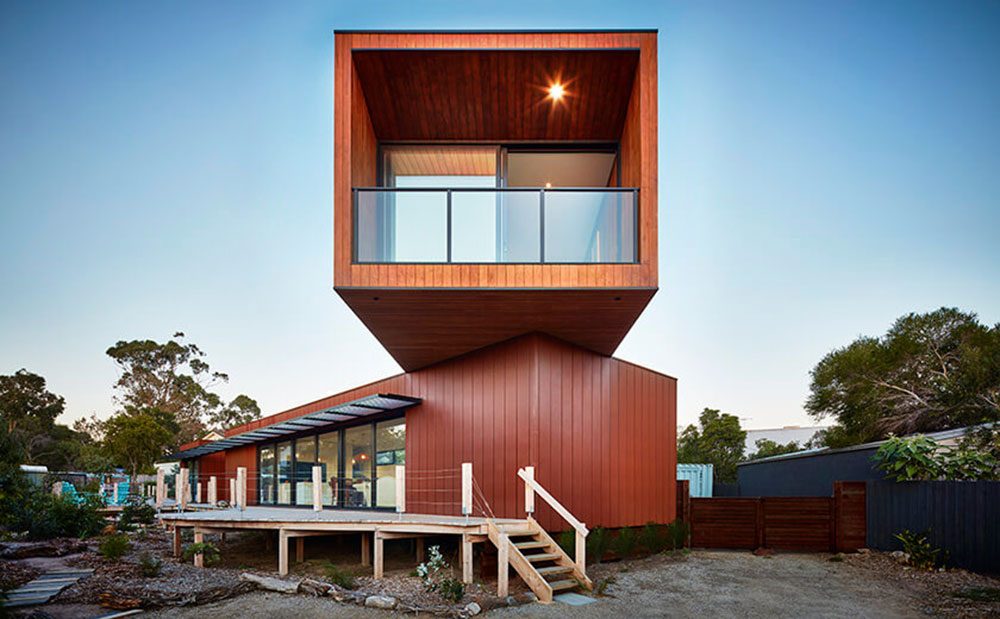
(363, 407)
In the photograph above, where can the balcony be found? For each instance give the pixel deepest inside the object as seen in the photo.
(489, 225)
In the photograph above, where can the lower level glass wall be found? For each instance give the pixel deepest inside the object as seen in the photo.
(357, 466)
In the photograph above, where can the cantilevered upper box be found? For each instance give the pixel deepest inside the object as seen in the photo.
(491, 184)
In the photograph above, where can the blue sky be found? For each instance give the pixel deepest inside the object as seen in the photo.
(824, 168)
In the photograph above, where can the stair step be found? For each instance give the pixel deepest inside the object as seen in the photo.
(548, 556)
(518, 532)
(554, 570)
(563, 584)
(529, 545)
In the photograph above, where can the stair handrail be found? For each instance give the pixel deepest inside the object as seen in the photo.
(532, 487)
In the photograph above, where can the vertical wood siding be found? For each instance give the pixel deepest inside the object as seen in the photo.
(601, 432)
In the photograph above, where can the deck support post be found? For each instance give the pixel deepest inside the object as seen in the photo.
(503, 558)
(199, 559)
(466, 559)
(400, 488)
(420, 549)
(161, 488)
(180, 489)
(213, 493)
(177, 541)
(282, 553)
(300, 549)
(366, 551)
(317, 488)
(466, 489)
(379, 568)
(241, 487)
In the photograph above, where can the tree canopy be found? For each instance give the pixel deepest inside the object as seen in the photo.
(25, 400)
(173, 378)
(767, 448)
(718, 440)
(136, 438)
(929, 372)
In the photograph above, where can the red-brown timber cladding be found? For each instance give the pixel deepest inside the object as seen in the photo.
(599, 431)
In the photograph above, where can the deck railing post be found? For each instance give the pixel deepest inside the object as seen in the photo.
(197, 493)
(529, 492)
(232, 492)
(317, 488)
(213, 492)
(161, 489)
(400, 488)
(241, 486)
(466, 488)
(179, 489)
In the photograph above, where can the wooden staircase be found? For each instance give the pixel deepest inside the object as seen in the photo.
(536, 558)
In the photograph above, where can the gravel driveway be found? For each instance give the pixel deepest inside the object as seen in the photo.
(708, 584)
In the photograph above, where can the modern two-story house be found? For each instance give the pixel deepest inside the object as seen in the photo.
(495, 225)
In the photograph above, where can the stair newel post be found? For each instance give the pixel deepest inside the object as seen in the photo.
(466, 489)
(581, 551)
(529, 491)
(317, 488)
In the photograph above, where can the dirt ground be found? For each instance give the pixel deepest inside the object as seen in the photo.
(707, 584)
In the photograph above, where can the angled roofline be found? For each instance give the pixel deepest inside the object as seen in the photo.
(498, 31)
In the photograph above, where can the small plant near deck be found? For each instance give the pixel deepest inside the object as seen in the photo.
(597, 544)
(601, 586)
(653, 538)
(624, 544)
(114, 546)
(436, 575)
(677, 534)
(567, 541)
(920, 553)
(149, 565)
(210, 554)
(136, 511)
(339, 577)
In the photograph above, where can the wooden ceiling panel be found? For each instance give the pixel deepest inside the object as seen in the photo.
(496, 95)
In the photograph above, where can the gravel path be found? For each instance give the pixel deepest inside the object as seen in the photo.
(708, 584)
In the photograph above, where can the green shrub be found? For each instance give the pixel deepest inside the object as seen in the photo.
(567, 541)
(45, 516)
(209, 553)
(597, 544)
(922, 554)
(136, 511)
(149, 565)
(652, 538)
(436, 574)
(624, 544)
(678, 532)
(339, 577)
(114, 546)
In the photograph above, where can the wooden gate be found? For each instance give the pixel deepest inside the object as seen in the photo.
(816, 524)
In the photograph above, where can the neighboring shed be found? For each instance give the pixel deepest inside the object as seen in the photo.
(700, 477)
(812, 472)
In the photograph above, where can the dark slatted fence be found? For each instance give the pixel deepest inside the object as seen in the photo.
(783, 523)
(962, 517)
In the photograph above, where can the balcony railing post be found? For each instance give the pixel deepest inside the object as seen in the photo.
(541, 225)
(449, 225)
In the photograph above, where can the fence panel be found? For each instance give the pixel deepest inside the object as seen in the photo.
(849, 516)
(724, 523)
(798, 523)
(963, 518)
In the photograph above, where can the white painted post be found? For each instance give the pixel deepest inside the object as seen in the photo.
(529, 491)
(180, 489)
(232, 492)
(581, 552)
(241, 486)
(197, 494)
(466, 488)
(317, 488)
(400, 488)
(161, 488)
(213, 493)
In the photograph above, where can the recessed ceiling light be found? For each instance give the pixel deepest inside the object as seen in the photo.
(556, 91)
